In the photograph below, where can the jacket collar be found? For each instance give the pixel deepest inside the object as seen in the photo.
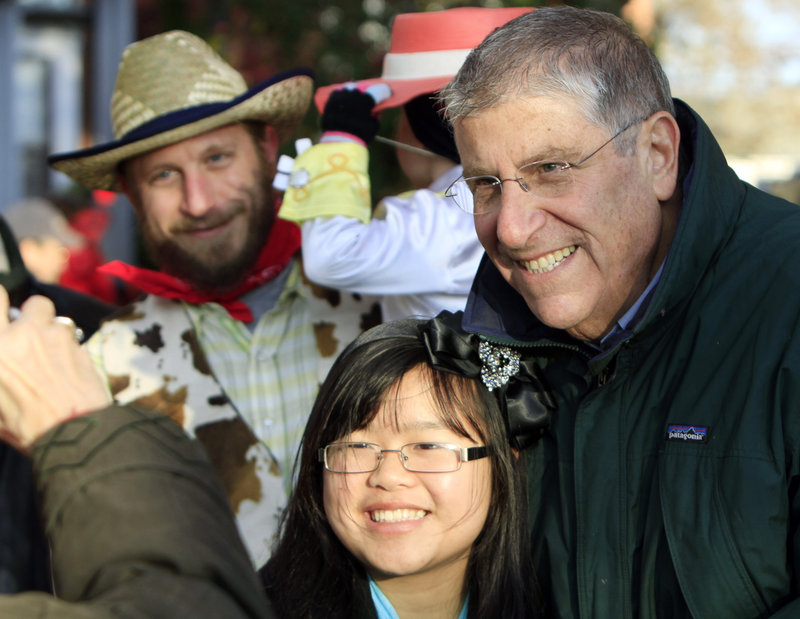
(712, 203)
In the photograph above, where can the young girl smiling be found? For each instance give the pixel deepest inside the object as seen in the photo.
(409, 501)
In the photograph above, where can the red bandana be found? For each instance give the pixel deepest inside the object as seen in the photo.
(282, 244)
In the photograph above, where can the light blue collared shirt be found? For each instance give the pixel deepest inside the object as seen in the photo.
(384, 608)
(625, 321)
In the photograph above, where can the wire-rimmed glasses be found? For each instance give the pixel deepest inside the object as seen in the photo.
(548, 178)
(355, 457)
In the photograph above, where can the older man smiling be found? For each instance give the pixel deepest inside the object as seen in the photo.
(626, 260)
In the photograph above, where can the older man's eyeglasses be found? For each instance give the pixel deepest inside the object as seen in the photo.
(415, 457)
(543, 179)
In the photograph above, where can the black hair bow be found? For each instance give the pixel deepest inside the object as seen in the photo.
(518, 383)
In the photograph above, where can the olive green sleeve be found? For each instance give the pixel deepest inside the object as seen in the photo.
(138, 523)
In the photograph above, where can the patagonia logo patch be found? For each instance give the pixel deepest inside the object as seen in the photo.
(694, 434)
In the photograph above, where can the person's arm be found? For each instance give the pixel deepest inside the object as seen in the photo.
(792, 427)
(138, 522)
(420, 245)
(332, 178)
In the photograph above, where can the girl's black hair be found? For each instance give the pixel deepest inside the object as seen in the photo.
(311, 574)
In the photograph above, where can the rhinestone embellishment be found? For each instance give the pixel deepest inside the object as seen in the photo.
(499, 364)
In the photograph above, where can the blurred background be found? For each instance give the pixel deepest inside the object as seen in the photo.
(736, 61)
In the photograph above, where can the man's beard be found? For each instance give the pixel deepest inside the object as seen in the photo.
(212, 271)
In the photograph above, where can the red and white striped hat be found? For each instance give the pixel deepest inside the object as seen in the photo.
(427, 50)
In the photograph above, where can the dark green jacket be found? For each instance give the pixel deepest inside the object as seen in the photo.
(139, 526)
(667, 485)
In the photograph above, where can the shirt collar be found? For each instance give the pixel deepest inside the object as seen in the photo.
(628, 321)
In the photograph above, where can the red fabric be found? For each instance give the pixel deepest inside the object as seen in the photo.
(82, 275)
(282, 244)
(91, 222)
(104, 198)
(81, 271)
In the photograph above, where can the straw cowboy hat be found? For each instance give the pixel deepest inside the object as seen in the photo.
(427, 50)
(174, 86)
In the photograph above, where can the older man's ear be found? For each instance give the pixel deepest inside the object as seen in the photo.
(662, 139)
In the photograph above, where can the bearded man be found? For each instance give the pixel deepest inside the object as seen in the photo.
(231, 341)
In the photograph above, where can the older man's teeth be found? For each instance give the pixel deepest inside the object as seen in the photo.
(548, 262)
(397, 515)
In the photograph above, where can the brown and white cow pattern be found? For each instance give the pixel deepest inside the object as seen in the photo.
(151, 356)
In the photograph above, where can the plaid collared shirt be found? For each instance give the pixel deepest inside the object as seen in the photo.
(244, 390)
(269, 375)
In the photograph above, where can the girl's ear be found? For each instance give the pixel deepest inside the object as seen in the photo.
(515, 451)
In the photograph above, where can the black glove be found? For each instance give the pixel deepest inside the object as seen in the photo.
(351, 111)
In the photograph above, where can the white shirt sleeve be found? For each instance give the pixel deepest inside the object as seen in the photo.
(423, 245)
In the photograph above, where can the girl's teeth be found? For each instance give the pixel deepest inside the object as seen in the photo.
(397, 515)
